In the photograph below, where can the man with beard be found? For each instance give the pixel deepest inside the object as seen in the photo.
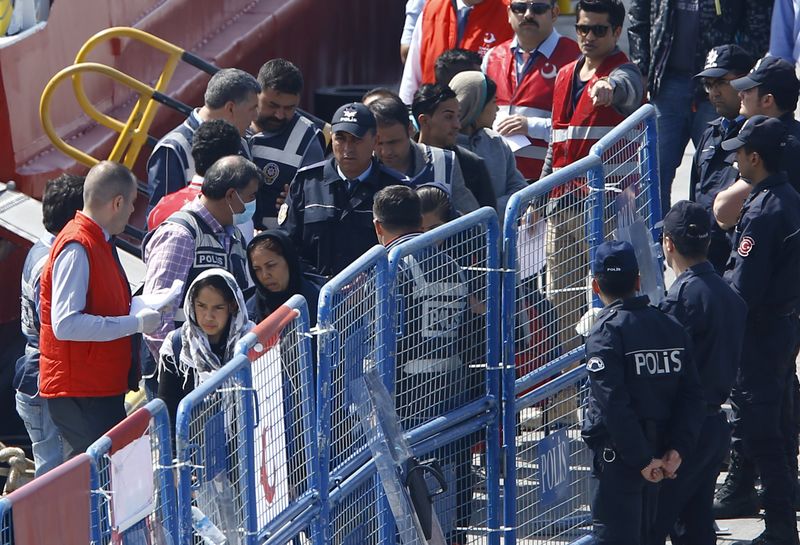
(281, 140)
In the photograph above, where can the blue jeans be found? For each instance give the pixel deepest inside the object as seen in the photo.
(46, 442)
(677, 122)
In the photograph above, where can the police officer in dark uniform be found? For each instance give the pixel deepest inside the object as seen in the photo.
(714, 317)
(764, 269)
(713, 168)
(328, 213)
(645, 406)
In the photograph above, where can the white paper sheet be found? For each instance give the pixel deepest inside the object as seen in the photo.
(157, 300)
(517, 141)
(132, 489)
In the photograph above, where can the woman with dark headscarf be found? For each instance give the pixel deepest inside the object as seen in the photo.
(275, 267)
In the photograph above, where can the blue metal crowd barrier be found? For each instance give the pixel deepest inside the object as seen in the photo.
(6, 528)
(144, 437)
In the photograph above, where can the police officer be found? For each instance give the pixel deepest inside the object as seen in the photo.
(645, 403)
(763, 269)
(713, 168)
(328, 212)
(714, 317)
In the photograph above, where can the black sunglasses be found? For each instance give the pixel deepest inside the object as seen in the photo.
(598, 30)
(538, 8)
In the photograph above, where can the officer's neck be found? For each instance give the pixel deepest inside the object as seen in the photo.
(680, 264)
(758, 177)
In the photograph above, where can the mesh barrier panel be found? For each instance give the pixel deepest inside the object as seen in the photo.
(356, 519)
(6, 529)
(151, 424)
(212, 430)
(553, 476)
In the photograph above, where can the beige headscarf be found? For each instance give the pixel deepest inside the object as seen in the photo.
(470, 90)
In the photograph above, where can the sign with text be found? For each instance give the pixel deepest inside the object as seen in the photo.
(554, 470)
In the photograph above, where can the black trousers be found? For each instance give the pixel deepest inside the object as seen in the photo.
(690, 495)
(84, 420)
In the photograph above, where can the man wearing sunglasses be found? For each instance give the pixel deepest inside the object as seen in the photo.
(525, 70)
(476, 25)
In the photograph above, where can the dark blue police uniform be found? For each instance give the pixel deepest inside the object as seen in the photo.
(714, 317)
(764, 269)
(645, 399)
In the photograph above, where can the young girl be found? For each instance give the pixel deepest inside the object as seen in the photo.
(216, 319)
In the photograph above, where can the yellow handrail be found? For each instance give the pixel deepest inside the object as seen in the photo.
(128, 131)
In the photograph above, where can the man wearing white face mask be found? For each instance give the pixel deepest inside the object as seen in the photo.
(204, 234)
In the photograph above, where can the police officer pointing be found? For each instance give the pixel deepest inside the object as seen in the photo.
(645, 404)
(714, 317)
(764, 269)
(328, 213)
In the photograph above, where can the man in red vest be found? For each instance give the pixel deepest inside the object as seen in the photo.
(592, 95)
(476, 25)
(525, 70)
(87, 352)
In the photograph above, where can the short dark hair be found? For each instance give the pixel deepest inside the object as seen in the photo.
(455, 61)
(397, 207)
(491, 89)
(693, 248)
(214, 140)
(63, 196)
(380, 92)
(282, 76)
(772, 158)
(388, 111)
(428, 98)
(785, 98)
(229, 172)
(617, 285)
(230, 85)
(433, 199)
(614, 8)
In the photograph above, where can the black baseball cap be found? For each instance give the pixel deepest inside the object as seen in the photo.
(615, 257)
(686, 220)
(760, 133)
(724, 59)
(354, 118)
(773, 73)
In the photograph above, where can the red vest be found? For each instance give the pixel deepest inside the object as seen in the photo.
(169, 204)
(576, 131)
(86, 369)
(533, 97)
(487, 24)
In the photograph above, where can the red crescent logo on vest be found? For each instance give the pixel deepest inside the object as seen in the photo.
(549, 71)
(489, 38)
(745, 246)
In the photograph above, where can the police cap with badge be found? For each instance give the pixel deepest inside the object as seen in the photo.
(353, 118)
(759, 133)
(724, 59)
(773, 74)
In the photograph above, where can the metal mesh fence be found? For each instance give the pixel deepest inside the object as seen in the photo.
(553, 463)
(160, 526)
(6, 528)
(216, 474)
(356, 517)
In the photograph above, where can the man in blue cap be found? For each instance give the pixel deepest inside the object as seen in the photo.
(763, 269)
(645, 405)
(328, 212)
(714, 317)
(713, 168)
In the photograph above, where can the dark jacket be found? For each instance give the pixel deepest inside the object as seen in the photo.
(744, 22)
(476, 176)
(263, 302)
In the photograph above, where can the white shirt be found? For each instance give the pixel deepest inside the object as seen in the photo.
(413, 11)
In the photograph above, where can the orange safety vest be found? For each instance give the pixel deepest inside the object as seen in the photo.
(77, 368)
(487, 25)
(532, 97)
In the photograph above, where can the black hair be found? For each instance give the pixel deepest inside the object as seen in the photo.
(617, 285)
(230, 85)
(614, 8)
(218, 283)
(63, 196)
(428, 98)
(771, 157)
(690, 247)
(282, 76)
(785, 97)
(397, 207)
(229, 172)
(380, 92)
(434, 199)
(455, 61)
(212, 141)
(491, 90)
(388, 111)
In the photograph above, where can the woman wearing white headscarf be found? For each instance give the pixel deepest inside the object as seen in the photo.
(216, 318)
(476, 94)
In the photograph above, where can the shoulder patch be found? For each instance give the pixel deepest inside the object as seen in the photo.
(595, 364)
(745, 246)
(283, 213)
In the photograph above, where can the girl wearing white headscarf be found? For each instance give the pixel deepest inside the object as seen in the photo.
(216, 318)
(477, 101)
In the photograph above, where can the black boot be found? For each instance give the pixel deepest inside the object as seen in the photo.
(737, 496)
